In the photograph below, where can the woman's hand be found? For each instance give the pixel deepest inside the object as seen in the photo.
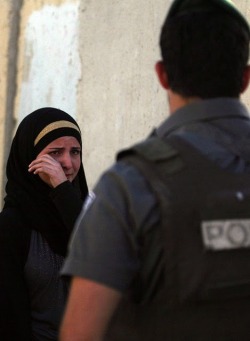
(49, 170)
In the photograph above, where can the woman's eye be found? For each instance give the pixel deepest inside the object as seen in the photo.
(75, 151)
(55, 152)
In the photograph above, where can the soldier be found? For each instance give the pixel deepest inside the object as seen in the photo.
(162, 251)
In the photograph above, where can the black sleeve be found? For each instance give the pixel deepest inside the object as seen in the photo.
(68, 202)
(15, 322)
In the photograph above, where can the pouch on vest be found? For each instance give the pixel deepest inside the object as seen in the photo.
(205, 215)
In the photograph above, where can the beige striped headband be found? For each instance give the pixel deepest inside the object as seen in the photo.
(55, 125)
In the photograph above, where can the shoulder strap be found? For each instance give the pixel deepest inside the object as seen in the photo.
(153, 152)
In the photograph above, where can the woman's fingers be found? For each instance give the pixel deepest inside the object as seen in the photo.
(49, 169)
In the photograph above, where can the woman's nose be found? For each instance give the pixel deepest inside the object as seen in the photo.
(66, 161)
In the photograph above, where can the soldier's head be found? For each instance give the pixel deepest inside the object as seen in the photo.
(205, 48)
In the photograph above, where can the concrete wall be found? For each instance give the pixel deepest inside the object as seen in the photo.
(92, 58)
(5, 33)
(49, 56)
(119, 98)
(9, 26)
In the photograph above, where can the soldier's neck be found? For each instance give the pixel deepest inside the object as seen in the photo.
(177, 101)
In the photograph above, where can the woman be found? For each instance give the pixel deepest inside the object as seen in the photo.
(45, 191)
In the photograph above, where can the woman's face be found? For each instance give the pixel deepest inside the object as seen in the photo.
(66, 151)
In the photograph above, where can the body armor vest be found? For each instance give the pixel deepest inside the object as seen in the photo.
(205, 225)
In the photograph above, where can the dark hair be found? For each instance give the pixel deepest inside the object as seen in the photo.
(204, 54)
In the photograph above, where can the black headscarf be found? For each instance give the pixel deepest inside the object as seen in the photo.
(27, 191)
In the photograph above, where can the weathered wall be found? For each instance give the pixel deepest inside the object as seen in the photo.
(49, 59)
(92, 58)
(9, 25)
(5, 33)
(119, 98)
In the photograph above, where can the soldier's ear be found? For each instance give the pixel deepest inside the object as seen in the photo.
(161, 74)
(245, 79)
